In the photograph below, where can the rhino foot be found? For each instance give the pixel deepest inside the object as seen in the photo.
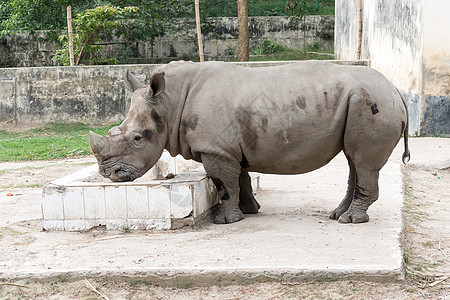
(247, 202)
(356, 216)
(336, 213)
(228, 215)
(249, 205)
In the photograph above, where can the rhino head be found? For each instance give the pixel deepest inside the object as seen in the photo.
(131, 149)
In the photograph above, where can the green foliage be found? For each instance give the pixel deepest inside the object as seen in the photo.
(55, 140)
(309, 7)
(5, 11)
(87, 28)
(224, 8)
(266, 46)
(317, 46)
(296, 8)
(142, 20)
(230, 50)
(300, 8)
(153, 18)
(265, 8)
(32, 15)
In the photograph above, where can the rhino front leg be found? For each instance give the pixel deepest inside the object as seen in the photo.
(351, 184)
(247, 202)
(225, 175)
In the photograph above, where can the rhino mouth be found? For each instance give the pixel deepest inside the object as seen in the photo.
(119, 173)
(122, 174)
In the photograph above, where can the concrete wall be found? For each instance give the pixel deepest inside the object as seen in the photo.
(93, 94)
(400, 37)
(89, 94)
(220, 35)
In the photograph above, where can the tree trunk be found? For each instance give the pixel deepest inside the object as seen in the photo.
(243, 41)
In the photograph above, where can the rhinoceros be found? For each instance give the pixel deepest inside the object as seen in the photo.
(287, 119)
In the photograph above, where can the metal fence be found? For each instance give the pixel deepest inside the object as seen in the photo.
(228, 8)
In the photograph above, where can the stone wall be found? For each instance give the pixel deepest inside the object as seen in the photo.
(220, 39)
(221, 35)
(25, 50)
(406, 41)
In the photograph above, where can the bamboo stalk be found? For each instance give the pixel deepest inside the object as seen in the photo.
(199, 31)
(358, 55)
(69, 29)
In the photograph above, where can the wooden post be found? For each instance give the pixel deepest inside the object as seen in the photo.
(69, 29)
(199, 31)
(358, 54)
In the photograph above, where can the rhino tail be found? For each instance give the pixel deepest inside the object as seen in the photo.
(406, 155)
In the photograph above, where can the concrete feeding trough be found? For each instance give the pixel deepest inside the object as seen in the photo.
(84, 199)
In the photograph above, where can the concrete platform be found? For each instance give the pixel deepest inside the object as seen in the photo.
(291, 239)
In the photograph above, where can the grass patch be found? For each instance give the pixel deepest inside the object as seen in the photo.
(52, 141)
(8, 231)
(439, 135)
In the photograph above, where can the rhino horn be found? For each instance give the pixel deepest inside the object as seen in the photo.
(98, 143)
(131, 82)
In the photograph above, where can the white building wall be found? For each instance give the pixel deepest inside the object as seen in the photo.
(436, 68)
(346, 29)
(436, 47)
(409, 42)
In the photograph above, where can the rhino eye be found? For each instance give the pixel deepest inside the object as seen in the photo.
(137, 140)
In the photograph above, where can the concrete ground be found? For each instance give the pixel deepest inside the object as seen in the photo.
(290, 239)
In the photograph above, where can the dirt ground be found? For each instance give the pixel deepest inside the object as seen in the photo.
(426, 250)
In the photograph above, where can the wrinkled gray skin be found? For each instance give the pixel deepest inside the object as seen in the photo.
(286, 119)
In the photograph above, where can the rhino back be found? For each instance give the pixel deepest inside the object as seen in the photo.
(286, 119)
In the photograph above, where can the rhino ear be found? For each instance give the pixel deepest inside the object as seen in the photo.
(131, 82)
(158, 84)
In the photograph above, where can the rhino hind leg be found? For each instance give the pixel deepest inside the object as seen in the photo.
(366, 192)
(247, 202)
(362, 188)
(369, 139)
(351, 184)
(225, 174)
